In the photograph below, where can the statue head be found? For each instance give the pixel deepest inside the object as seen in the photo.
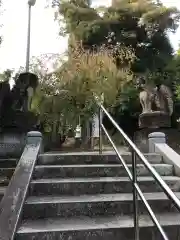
(158, 83)
(140, 83)
(25, 80)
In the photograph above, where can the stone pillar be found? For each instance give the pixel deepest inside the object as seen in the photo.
(35, 137)
(155, 137)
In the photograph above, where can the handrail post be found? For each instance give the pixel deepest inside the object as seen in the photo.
(135, 197)
(100, 130)
(34, 137)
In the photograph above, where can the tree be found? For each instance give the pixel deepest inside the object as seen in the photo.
(72, 87)
(173, 75)
(6, 75)
(142, 25)
(137, 26)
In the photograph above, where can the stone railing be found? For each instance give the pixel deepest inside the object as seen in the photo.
(14, 197)
(157, 144)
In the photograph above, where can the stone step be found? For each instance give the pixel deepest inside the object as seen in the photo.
(4, 181)
(6, 172)
(98, 228)
(93, 205)
(80, 186)
(2, 191)
(8, 163)
(90, 157)
(106, 170)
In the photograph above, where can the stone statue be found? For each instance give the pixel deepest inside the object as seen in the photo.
(15, 104)
(163, 99)
(4, 93)
(156, 98)
(157, 104)
(146, 98)
(23, 91)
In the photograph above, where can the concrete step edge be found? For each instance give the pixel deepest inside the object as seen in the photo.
(8, 159)
(118, 197)
(100, 179)
(4, 179)
(95, 223)
(110, 153)
(2, 190)
(7, 168)
(100, 165)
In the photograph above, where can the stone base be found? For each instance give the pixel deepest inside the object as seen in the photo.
(13, 131)
(172, 138)
(12, 145)
(18, 122)
(154, 120)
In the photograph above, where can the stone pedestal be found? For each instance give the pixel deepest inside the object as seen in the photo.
(155, 137)
(13, 130)
(12, 144)
(35, 137)
(154, 120)
(172, 138)
(18, 121)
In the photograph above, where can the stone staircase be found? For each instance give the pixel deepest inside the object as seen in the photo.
(7, 167)
(84, 196)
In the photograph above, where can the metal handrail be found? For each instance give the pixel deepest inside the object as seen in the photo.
(133, 176)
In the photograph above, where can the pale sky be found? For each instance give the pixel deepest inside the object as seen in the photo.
(44, 32)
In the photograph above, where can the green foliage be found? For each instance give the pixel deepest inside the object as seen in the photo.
(128, 101)
(69, 92)
(174, 72)
(142, 25)
(170, 74)
(6, 75)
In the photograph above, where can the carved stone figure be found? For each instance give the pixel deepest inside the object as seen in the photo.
(15, 104)
(23, 91)
(146, 98)
(4, 93)
(156, 98)
(163, 99)
(157, 105)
